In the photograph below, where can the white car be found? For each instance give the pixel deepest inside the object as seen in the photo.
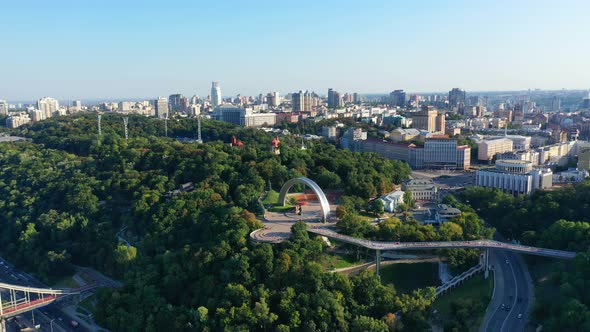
(519, 316)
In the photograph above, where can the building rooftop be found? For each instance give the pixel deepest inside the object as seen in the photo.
(513, 161)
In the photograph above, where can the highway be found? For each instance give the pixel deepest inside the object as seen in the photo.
(43, 316)
(477, 244)
(513, 294)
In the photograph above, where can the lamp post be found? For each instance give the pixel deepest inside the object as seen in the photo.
(51, 324)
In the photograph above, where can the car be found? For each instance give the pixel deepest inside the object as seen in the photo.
(519, 316)
(397, 243)
(503, 306)
(508, 308)
(507, 262)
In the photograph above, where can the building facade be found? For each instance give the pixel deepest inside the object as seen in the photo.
(487, 149)
(421, 189)
(514, 176)
(215, 94)
(48, 105)
(161, 105)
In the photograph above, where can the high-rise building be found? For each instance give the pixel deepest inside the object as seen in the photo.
(331, 98)
(555, 104)
(457, 98)
(273, 99)
(48, 105)
(397, 98)
(425, 119)
(356, 98)
(161, 105)
(304, 101)
(177, 103)
(215, 94)
(3, 107)
(586, 102)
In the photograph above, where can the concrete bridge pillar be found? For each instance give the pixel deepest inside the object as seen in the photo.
(2, 324)
(378, 262)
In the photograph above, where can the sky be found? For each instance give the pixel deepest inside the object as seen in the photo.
(117, 49)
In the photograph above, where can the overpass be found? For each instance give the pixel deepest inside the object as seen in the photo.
(477, 244)
(23, 298)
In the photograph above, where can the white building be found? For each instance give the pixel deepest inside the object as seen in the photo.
(520, 142)
(215, 94)
(36, 115)
(487, 149)
(161, 107)
(392, 200)
(514, 176)
(3, 107)
(48, 105)
(572, 175)
(17, 120)
(422, 189)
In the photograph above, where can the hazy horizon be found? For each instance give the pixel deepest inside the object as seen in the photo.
(112, 50)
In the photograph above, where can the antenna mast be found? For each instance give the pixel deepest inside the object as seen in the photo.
(126, 123)
(99, 129)
(199, 139)
(166, 124)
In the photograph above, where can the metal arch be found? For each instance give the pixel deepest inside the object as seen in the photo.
(316, 189)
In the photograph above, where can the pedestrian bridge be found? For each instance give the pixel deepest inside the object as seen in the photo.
(21, 298)
(477, 244)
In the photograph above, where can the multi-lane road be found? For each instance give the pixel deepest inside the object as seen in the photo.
(46, 317)
(513, 294)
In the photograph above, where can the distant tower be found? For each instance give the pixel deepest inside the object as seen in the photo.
(99, 129)
(215, 94)
(199, 139)
(275, 145)
(126, 123)
(166, 125)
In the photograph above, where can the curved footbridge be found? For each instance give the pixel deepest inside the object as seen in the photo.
(477, 244)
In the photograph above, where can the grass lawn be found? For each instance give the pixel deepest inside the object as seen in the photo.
(407, 277)
(476, 288)
(66, 282)
(338, 261)
(272, 197)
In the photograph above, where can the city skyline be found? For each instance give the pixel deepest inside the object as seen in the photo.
(77, 50)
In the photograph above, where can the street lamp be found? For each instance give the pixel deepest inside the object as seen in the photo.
(51, 324)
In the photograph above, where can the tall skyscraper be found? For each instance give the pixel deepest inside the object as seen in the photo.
(298, 101)
(457, 98)
(397, 98)
(331, 98)
(3, 107)
(215, 94)
(161, 107)
(48, 105)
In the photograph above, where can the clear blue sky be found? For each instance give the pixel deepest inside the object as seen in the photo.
(117, 49)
